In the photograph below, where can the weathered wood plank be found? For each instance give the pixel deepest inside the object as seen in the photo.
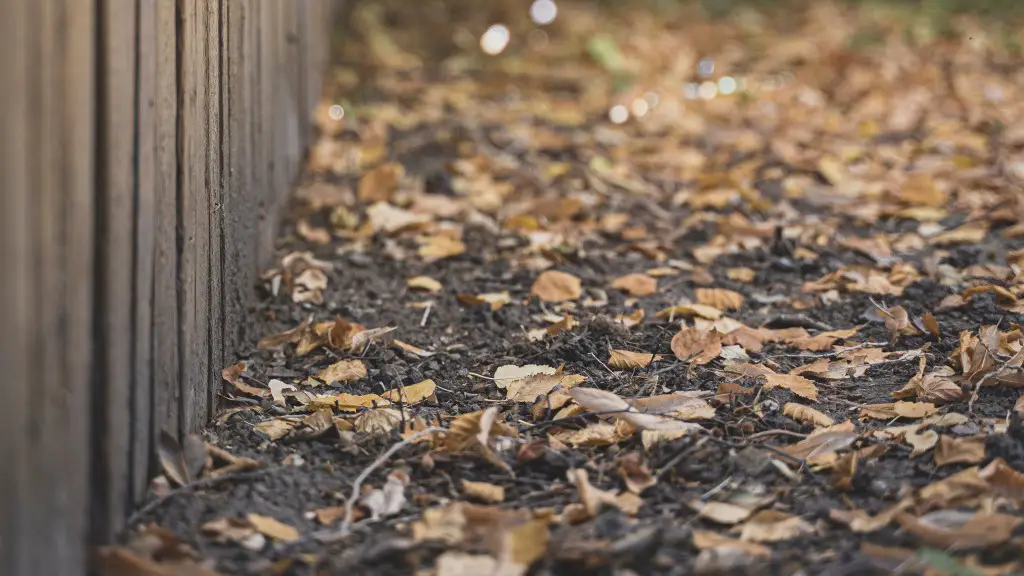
(166, 368)
(16, 292)
(194, 227)
(266, 130)
(145, 240)
(114, 226)
(214, 200)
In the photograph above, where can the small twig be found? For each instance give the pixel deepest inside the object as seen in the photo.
(426, 314)
(721, 485)
(603, 364)
(358, 483)
(832, 353)
(767, 433)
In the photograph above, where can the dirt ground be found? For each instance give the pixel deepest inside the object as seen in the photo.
(678, 294)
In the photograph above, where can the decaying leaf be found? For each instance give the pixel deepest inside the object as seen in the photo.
(474, 432)
(483, 491)
(556, 286)
(697, 346)
(861, 522)
(610, 405)
(719, 298)
(592, 499)
(921, 441)
(379, 184)
(774, 526)
(891, 410)
(504, 376)
(952, 450)
(708, 540)
(806, 414)
(273, 528)
(182, 463)
(1005, 480)
(516, 536)
(529, 388)
(424, 283)
(822, 444)
(343, 371)
(689, 311)
(721, 512)
(627, 360)
(411, 394)
(796, 384)
(958, 529)
(637, 285)
(496, 300)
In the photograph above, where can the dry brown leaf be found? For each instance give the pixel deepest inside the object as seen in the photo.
(349, 402)
(806, 414)
(379, 184)
(959, 450)
(343, 371)
(592, 498)
(412, 394)
(971, 233)
(483, 491)
(861, 522)
(1018, 406)
(634, 473)
(439, 247)
(697, 346)
(960, 488)
(744, 275)
(891, 410)
(721, 512)
(277, 428)
(796, 384)
(708, 540)
(931, 324)
(529, 388)
(496, 300)
(627, 360)
(689, 311)
(378, 421)
(507, 375)
(896, 321)
(610, 405)
(556, 286)
(820, 444)
(1004, 479)
(921, 441)
(774, 526)
(682, 405)
(273, 528)
(514, 535)
(958, 529)
(473, 432)
(636, 285)
(280, 340)
(938, 388)
(181, 463)
(424, 283)
(719, 298)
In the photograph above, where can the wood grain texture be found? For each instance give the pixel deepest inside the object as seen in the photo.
(214, 202)
(194, 224)
(145, 241)
(166, 368)
(115, 206)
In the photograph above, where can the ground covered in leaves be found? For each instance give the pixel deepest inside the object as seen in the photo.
(631, 292)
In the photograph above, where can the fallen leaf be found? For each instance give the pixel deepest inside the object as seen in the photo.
(556, 286)
(634, 473)
(719, 298)
(959, 450)
(529, 388)
(608, 404)
(276, 428)
(819, 445)
(806, 414)
(636, 285)
(379, 184)
(483, 491)
(272, 528)
(343, 371)
(891, 410)
(424, 283)
(721, 512)
(774, 526)
(861, 522)
(921, 441)
(697, 346)
(744, 275)
(689, 311)
(592, 498)
(931, 324)
(349, 402)
(378, 421)
(496, 300)
(962, 487)
(411, 394)
(235, 530)
(505, 375)
(708, 540)
(959, 529)
(388, 500)
(439, 247)
(182, 464)
(474, 431)
(279, 340)
(277, 388)
(796, 384)
(1004, 479)
(627, 360)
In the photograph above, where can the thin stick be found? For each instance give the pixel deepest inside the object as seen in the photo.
(426, 314)
(358, 483)
(603, 364)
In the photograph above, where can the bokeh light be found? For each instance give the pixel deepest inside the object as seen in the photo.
(495, 39)
(708, 90)
(727, 85)
(618, 114)
(543, 12)
(336, 112)
(706, 67)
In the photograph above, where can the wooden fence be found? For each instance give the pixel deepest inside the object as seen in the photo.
(145, 147)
